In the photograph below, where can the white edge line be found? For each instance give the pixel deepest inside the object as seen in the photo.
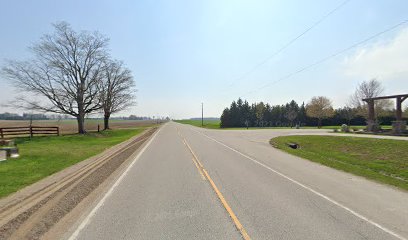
(308, 188)
(102, 201)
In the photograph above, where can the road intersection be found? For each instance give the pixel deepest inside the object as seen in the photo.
(193, 183)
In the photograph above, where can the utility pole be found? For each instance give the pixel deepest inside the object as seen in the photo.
(202, 114)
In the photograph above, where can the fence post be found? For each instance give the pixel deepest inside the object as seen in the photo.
(1, 132)
(31, 132)
(58, 133)
(98, 128)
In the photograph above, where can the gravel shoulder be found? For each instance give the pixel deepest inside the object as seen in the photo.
(31, 212)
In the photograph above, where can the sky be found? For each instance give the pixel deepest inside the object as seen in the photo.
(184, 53)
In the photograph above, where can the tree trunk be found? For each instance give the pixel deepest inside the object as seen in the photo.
(81, 124)
(319, 123)
(81, 110)
(106, 121)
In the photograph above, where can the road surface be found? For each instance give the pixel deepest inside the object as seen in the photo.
(192, 183)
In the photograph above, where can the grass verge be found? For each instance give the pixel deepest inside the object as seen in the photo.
(43, 156)
(382, 160)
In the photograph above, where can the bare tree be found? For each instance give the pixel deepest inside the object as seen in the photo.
(369, 89)
(64, 73)
(118, 89)
(320, 108)
(366, 89)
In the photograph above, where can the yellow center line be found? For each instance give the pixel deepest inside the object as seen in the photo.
(194, 161)
(199, 169)
(178, 132)
(224, 202)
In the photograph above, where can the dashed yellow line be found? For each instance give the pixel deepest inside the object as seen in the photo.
(224, 202)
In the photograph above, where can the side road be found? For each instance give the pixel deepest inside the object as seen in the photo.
(382, 204)
(32, 211)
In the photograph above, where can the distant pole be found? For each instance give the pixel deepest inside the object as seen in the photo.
(202, 114)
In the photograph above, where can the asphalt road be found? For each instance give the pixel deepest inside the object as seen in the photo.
(191, 183)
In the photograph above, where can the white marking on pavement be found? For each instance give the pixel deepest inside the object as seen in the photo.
(307, 188)
(102, 201)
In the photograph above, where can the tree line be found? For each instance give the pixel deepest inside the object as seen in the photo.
(242, 114)
(41, 116)
(24, 116)
(317, 112)
(72, 73)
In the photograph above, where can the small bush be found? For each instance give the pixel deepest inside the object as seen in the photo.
(345, 128)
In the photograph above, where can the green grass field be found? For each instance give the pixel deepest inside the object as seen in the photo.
(43, 156)
(383, 160)
(213, 124)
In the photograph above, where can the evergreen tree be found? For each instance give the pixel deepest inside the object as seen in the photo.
(242, 114)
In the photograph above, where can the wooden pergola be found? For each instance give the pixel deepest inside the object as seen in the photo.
(399, 125)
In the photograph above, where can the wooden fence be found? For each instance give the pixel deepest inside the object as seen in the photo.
(28, 131)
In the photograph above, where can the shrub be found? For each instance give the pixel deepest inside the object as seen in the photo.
(345, 128)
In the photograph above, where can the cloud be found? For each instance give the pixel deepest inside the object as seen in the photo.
(385, 60)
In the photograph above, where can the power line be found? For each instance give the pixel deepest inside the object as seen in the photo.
(328, 57)
(289, 43)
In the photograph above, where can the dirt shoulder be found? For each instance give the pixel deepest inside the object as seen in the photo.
(31, 212)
